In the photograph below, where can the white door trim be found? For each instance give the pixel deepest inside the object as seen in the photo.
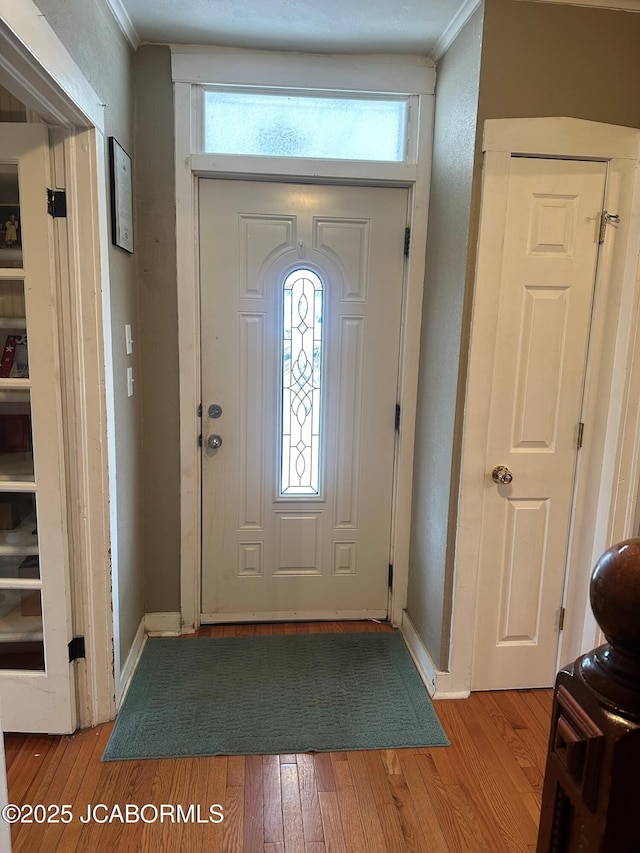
(605, 493)
(37, 68)
(40, 69)
(189, 165)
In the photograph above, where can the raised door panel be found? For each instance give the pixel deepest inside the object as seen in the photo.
(544, 314)
(297, 500)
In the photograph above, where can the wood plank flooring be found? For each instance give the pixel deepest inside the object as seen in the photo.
(482, 793)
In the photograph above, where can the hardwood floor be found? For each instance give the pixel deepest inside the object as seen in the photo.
(482, 793)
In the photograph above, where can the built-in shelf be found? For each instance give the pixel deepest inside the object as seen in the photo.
(14, 626)
(22, 636)
(15, 468)
(13, 322)
(17, 384)
(26, 636)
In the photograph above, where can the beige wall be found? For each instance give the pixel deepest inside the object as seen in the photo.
(542, 59)
(158, 332)
(91, 35)
(449, 207)
(538, 59)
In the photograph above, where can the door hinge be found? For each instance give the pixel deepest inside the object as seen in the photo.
(390, 575)
(200, 410)
(200, 440)
(561, 619)
(604, 221)
(57, 203)
(397, 421)
(76, 649)
(580, 435)
(407, 240)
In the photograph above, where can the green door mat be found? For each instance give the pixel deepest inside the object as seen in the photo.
(273, 695)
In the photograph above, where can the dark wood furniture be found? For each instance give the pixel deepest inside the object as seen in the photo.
(591, 795)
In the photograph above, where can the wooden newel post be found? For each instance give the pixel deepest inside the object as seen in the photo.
(591, 796)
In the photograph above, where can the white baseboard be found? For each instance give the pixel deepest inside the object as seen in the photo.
(124, 678)
(452, 694)
(449, 687)
(439, 684)
(419, 653)
(163, 624)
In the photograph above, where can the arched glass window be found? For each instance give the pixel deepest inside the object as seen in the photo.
(302, 303)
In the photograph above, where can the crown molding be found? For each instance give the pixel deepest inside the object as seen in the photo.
(618, 5)
(124, 22)
(465, 11)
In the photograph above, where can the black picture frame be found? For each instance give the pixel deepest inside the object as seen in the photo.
(120, 173)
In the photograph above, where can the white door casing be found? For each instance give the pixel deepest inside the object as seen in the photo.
(36, 700)
(267, 555)
(37, 68)
(546, 295)
(190, 71)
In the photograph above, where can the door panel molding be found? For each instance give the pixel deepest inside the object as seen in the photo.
(607, 481)
(536, 402)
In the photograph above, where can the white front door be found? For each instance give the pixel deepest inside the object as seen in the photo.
(544, 316)
(301, 294)
(36, 679)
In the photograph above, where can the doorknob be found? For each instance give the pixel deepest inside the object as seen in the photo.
(214, 442)
(501, 474)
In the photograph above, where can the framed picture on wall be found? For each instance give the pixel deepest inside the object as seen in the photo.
(121, 196)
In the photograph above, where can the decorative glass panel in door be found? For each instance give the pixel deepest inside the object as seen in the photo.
(36, 679)
(301, 383)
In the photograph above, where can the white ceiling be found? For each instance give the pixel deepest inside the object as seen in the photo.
(420, 27)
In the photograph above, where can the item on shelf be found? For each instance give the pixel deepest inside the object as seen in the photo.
(15, 433)
(20, 366)
(15, 360)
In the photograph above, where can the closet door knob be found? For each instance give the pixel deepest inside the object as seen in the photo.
(501, 474)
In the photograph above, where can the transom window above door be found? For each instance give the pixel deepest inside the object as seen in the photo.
(333, 126)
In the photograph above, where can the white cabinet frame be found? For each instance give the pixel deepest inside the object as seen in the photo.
(36, 67)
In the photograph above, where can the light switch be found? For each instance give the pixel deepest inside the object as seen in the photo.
(128, 339)
(129, 381)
